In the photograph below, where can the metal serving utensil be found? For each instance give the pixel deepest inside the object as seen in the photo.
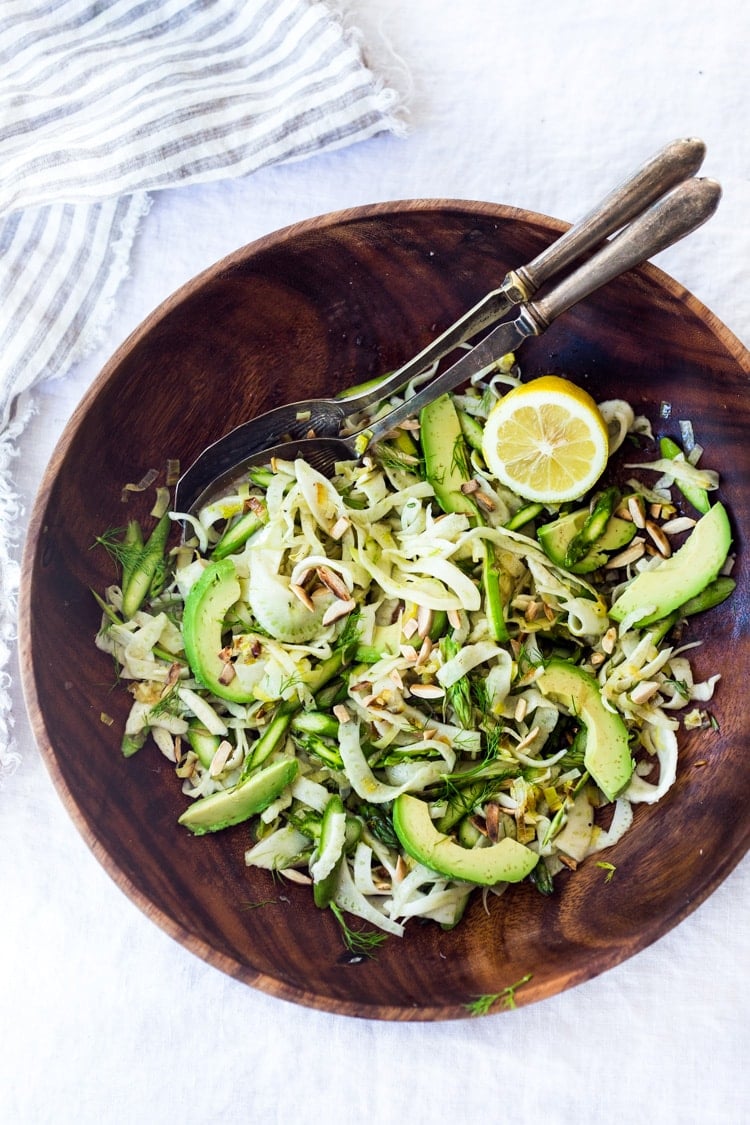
(325, 417)
(671, 218)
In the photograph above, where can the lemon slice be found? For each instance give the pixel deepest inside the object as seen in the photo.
(546, 440)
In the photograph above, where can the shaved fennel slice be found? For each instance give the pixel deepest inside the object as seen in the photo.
(321, 497)
(363, 780)
(348, 897)
(663, 742)
(622, 818)
(282, 848)
(470, 656)
(619, 418)
(323, 863)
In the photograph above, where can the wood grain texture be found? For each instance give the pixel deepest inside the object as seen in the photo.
(308, 311)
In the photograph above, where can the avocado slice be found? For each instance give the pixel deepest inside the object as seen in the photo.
(680, 577)
(232, 806)
(556, 537)
(445, 459)
(607, 756)
(504, 862)
(206, 607)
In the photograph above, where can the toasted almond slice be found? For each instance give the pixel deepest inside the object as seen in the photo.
(342, 524)
(527, 739)
(469, 486)
(631, 554)
(301, 593)
(295, 876)
(492, 820)
(227, 673)
(219, 760)
(532, 610)
(644, 691)
(659, 539)
(427, 691)
(637, 511)
(678, 525)
(609, 640)
(425, 618)
(334, 582)
(597, 658)
(454, 619)
(338, 610)
(410, 628)
(186, 767)
(484, 501)
(341, 713)
(568, 861)
(424, 652)
(522, 707)
(409, 653)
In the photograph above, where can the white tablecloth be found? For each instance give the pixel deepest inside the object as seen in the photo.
(103, 1018)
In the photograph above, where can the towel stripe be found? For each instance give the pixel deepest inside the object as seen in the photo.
(101, 103)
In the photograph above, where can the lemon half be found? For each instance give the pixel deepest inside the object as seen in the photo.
(546, 440)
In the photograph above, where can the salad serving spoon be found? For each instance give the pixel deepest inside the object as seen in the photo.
(326, 417)
(671, 218)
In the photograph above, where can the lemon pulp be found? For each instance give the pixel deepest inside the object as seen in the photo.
(546, 440)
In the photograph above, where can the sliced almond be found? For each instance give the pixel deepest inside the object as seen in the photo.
(227, 673)
(659, 539)
(427, 691)
(342, 713)
(334, 582)
(425, 618)
(295, 876)
(644, 691)
(342, 524)
(527, 739)
(301, 593)
(678, 525)
(454, 619)
(219, 760)
(492, 820)
(338, 610)
(609, 640)
(522, 707)
(637, 511)
(424, 652)
(410, 628)
(484, 501)
(630, 555)
(469, 486)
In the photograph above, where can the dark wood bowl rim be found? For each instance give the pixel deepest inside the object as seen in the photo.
(266, 983)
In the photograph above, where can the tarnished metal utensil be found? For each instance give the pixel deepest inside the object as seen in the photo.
(325, 417)
(671, 218)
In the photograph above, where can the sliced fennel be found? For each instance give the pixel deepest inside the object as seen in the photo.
(362, 645)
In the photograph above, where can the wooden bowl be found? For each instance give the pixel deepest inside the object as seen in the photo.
(303, 312)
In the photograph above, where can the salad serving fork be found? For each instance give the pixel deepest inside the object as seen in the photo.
(326, 417)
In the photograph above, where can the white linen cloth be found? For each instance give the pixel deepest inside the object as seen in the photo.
(104, 103)
(104, 1020)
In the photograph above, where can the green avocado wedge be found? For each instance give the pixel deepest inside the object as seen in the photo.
(232, 806)
(664, 588)
(206, 607)
(504, 862)
(556, 537)
(607, 756)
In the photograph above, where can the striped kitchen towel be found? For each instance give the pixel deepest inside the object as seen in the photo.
(103, 102)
